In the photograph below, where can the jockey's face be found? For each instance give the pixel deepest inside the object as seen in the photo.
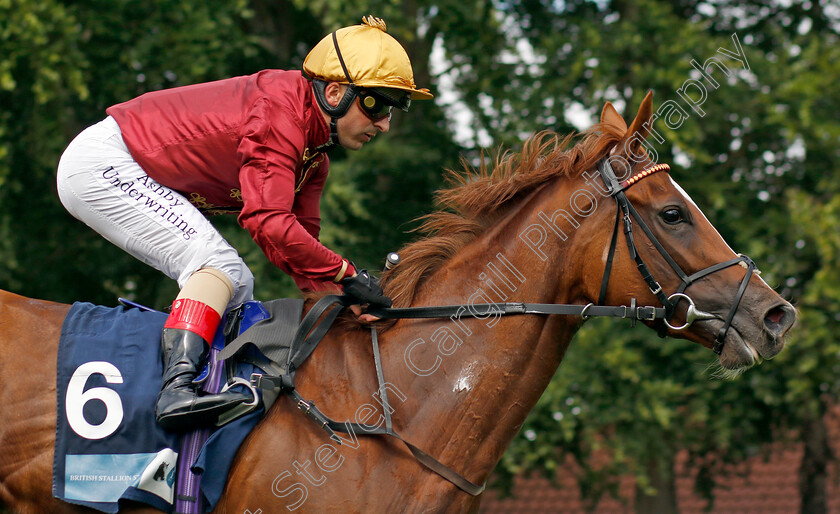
(355, 128)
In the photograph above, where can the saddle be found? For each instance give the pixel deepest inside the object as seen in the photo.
(280, 343)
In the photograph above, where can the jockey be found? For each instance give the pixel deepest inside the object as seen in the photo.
(146, 176)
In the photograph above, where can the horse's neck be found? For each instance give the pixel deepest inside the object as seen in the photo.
(472, 382)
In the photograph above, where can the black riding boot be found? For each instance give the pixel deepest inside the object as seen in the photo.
(180, 405)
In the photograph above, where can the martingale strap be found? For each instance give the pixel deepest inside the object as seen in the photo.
(312, 329)
(332, 426)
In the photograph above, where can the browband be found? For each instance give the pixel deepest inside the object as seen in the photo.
(644, 173)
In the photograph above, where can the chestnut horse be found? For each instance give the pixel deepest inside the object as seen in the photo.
(536, 229)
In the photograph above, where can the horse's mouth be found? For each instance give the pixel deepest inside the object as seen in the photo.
(738, 352)
(756, 356)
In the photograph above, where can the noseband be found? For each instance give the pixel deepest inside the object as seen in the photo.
(624, 212)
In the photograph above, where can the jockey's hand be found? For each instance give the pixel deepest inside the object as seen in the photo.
(367, 318)
(362, 288)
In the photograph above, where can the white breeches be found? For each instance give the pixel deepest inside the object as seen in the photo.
(101, 184)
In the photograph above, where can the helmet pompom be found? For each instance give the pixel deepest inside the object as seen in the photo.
(377, 23)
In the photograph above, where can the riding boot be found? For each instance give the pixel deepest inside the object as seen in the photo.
(180, 405)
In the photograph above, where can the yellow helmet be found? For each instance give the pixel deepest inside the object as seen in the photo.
(365, 56)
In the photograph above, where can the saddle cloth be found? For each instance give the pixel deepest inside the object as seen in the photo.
(109, 447)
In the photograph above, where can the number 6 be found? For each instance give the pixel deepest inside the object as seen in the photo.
(77, 397)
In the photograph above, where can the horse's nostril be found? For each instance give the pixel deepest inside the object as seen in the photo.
(779, 319)
(774, 316)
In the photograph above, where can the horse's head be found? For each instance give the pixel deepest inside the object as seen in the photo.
(723, 303)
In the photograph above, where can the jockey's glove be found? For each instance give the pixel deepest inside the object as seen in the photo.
(364, 288)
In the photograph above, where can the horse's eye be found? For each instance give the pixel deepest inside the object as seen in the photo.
(672, 216)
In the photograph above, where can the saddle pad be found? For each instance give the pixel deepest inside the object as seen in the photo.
(109, 447)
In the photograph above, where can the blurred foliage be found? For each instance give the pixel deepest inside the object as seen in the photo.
(761, 161)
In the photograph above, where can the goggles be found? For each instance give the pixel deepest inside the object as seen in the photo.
(375, 106)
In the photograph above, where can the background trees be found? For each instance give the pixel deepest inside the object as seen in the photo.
(761, 161)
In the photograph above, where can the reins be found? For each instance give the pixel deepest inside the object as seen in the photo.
(311, 330)
(587, 311)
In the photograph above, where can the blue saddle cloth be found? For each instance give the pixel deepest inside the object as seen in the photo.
(108, 446)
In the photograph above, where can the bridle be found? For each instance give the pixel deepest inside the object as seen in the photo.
(624, 212)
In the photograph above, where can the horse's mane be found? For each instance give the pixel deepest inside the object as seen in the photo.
(478, 197)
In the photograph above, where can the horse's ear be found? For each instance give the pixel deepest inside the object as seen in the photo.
(610, 118)
(640, 123)
(633, 145)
